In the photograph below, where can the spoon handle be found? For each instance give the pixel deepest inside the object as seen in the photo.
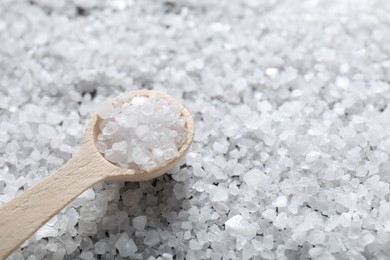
(25, 214)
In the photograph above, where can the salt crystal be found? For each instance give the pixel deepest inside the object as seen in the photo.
(169, 153)
(215, 170)
(131, 198)
(186, 225)
(194, 245)
(221, 146)
(252, 122)
(152, 238)
(148, 109)
(198, 171)
(281, 220)
(342, 82)
(366, 238)
(67, 148)
(269, 214)
(119, 146)
(46, 131)
(280, 201)
(268, 241)
(267, 254)
(311, 116)
(187, 235)
(122, 220)
(240, 84)
(101, 247)
(379, 188)
(54, 160)
(167, 256)
(316, 252)
(237, 226)
(271, 72)
(89, 194)
(316, 237)
(52, 247)
(109, 222)
(179, 191)
(139, 222)
(35, 155)
(46, 231)
(354, 230)
(141, 131)
(220, 194)
(70, 246)
(86, 255)
(257, 180)
(125, 245)
(110, 128)
(333, 223)
(12, 147)
(257, 245)
(345, 219)
(194, 159)
(87, 227)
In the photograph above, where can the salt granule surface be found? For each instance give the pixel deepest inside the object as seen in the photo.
(141, 132)
(290, 159)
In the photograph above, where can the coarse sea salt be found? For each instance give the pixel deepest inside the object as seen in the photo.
(141, 132)
(290, 159)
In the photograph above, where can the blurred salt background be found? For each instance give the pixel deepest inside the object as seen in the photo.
(291, 154)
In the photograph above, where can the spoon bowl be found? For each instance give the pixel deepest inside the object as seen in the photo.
(25, 214)
(117, 173)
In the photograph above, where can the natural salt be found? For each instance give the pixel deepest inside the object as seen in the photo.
(273, 95)
(141, 132)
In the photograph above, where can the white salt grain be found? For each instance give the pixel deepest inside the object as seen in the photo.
(110, 128)
(152, 238)
(101, 247)
(139, 222)
(179, 191)
(46, 231)
(342, 82)
(291, 108)
(119, 146)
(316, 237)
(87, 227)
(239, 227)
(86, 255)
(240, 84)
(147, 131)
(281, 220)
(89, 194)
(46, 131)
(257, 180)
(70, 246)
(366, 238)
(280, 201)
(269, 214)
(125, 245)
(194, 245)
(345, 219)
(268, 241)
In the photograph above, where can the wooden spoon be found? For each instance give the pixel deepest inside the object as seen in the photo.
(23, 216)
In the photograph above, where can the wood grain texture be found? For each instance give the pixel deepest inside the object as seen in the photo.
(23, 216)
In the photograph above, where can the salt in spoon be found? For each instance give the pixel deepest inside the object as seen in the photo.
(24, 215)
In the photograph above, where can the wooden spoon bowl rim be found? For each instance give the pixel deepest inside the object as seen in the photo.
(93, 130)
